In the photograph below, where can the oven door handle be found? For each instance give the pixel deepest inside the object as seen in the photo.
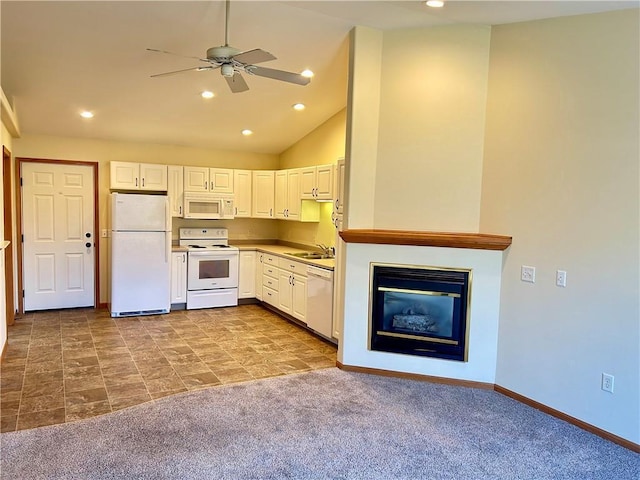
(213, 254)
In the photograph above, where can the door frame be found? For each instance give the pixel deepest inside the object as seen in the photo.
(96, 224)
(8, 233)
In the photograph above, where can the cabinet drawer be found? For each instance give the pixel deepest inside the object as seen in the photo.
(270, 282)
(270, 296)
(270, 259)
(270, 270)
(293, 266)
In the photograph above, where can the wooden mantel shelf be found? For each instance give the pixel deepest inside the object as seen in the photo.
(479, 241)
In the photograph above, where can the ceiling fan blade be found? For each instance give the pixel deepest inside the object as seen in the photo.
(237, 83)
(251, 57)
(277, 74)
(193, 69)
(177, 54)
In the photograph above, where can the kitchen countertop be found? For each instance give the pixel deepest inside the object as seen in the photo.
(282, 250)
(327, 263)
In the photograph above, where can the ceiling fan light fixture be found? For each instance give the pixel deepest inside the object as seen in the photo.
(227, 70)
(307, 73)
(207, 94)
(435, 3)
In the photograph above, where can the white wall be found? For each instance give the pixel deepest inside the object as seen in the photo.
(432, 111)
(363, 103)
(561, 174)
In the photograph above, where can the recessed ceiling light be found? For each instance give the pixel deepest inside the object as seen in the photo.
(86, 114)
(207, 94)
(299, 106)
(246, 132)
(435, 3)
(307, 73)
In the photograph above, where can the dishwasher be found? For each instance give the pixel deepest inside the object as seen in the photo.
(320, 300)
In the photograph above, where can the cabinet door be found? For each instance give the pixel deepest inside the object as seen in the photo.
(153, 177)
(324, 182)
(299, 297)
(221, 180)
(258, 275)
(338, 204)
(293, 194)
(175, 189)
(308, 183)
(196, 179)
(280, 199)
(242, 192)
(247, 275)
(285, 291)
(124, 175)
(178, 277)
(263, 194)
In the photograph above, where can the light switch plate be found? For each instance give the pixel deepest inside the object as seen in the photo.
(528, 274)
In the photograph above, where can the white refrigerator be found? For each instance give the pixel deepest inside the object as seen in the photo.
(140, 254)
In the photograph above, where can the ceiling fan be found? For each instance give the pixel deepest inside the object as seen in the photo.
(232, 62)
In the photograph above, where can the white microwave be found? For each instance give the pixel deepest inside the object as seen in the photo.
(208, 206)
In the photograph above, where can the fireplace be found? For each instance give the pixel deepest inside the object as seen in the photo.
(419, 310)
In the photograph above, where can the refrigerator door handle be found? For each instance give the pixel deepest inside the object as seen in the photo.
(168, 249)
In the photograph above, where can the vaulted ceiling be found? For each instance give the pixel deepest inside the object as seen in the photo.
(59, 58)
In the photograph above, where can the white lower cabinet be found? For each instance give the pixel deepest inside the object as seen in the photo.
(178, 277)
(270, 280)
(258, 275)
(293, 288)
(247, 274)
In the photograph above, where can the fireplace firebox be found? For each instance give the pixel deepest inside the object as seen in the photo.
(420, 310)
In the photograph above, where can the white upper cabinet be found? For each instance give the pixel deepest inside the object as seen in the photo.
(205, 179)
(242, 181)
(175, 189)
(287, 194)
(138, 176)
(288, 203)
(280, 195)
(316, 182)
(262, 198)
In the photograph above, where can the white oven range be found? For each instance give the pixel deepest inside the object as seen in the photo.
(212, 268)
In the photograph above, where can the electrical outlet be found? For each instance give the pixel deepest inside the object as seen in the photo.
(561, 278)
(607, 382)
(528, 274)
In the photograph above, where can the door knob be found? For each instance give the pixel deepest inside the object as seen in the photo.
(88, 235)
(88, 244)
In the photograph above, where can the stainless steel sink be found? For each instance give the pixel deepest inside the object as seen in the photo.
(310, 255)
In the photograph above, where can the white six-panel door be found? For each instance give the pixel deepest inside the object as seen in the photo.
(58, 221)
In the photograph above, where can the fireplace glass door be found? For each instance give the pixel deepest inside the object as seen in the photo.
(420, 310)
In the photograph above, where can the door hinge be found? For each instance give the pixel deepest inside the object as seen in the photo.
(22, 293)
(20, 181)
(22, 238)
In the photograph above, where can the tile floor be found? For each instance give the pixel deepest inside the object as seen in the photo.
(66, 365)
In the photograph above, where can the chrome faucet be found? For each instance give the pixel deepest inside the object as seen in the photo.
(325, 250)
